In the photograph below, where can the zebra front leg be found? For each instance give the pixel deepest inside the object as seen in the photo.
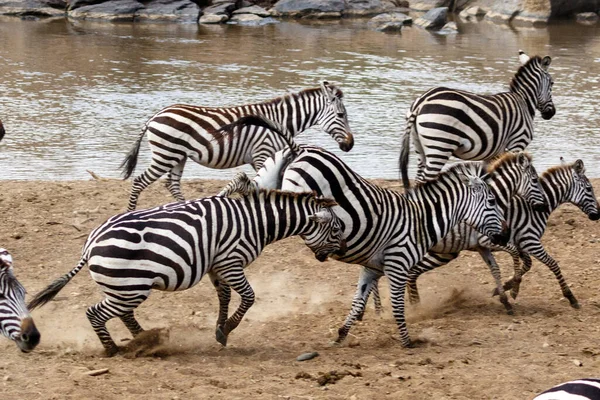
(107, 309)
(397, 288)
(368, 277)
(174, 180)
(234, 277)
(224, 294)
(515, 280)
(537, 250)
(376, 301)
(489, 259)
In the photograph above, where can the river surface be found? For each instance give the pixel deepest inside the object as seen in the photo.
(74, 95)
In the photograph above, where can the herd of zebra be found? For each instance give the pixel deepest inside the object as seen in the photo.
(493, 200)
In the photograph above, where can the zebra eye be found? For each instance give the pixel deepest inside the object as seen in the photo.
(341, 115)
(492, 202)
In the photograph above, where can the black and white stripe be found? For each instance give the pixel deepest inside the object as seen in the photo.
(581, 389)
(173, 246)
(184, 131)
(527, 223)
(15, 321)
(447, 122)
(388, 232)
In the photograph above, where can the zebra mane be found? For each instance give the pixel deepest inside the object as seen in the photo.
(533, 62)
(557, 169)
(10, 283)
(336, 91)
(322, 201)
(454, 172)
(504, 159)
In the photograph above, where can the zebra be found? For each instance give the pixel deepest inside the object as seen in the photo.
(580, 389)
(183, 131)
(385, 231)
(15, 321)
(447, 122)
(171, 247)
(527, 223)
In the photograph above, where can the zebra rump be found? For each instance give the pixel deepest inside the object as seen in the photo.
(581, 389)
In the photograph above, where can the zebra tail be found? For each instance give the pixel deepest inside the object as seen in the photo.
(2, 131)
(52, 290)
(129, 163)
(405, 151)
(257, 120)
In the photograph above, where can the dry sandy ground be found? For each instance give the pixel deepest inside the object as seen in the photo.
(473, 350)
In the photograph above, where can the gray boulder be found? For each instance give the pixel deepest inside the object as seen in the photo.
(301, 8)
(169, 10)
(449, 28)
(588, 18)
(222, 8)
(387, 21)
(112, 10)
(256, 10)
(426, 5)
(392, 26)
(433, 19)
(361, 8)
(472, 13)
(36, 8)
(213, 19)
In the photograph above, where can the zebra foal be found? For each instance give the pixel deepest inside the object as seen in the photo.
(183, 131)
(447, 122)
(15, 321)
(173, 246)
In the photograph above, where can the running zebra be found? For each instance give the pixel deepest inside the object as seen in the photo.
(173, 246)
(566, 183)
(183, 131)
(580, 389)
(15, 321)
(447, 122)
(388, 232)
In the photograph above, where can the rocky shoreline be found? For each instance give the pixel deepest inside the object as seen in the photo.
(259, 12)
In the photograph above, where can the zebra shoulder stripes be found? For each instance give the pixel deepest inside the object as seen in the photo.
(15, 321)
(580, 389)
(561, 184)
(447, 122)
(173, 246)
(183, 131)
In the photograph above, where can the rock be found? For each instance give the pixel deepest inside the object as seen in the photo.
(449, 28)
(433, 19)
(471, 13)
(213, 19)
(256, 10)
(362, 8)
(222, 8)
(588, 18)
(97, 372)
(578, 363)
(251, 20)
(36, 8)
(390, 27)
(301, 8)
(169, 10)
(395, 17)
(307, 356)
(112, 10)
(426, 5)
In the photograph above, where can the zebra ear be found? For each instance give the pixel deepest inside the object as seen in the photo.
(562, 161)
(546, 62)
(523, 58)
(321, 217)
(522, 159)
(327, 92)
(579, 167)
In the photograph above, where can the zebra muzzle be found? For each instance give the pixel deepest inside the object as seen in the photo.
(594, 216)
(548, 113)
(348, 143)
(30, 336)
(501, 238)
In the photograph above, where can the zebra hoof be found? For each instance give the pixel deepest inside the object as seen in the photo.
(111, 351)
(575, 305)
(221, 336)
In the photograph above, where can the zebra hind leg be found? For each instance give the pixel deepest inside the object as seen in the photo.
(224, 294)
(107, 309)
(368, 278)
(141, 182)
(376, 301)
(131, 323)
(235, 278)
(174, 181)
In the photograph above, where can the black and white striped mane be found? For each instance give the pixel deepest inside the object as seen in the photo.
(533, 63)
(504, 159)
(454, 174)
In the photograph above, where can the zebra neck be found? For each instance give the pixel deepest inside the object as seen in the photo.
(527, 95)
(296, 112)
(279, 217)
(556, 190)
(503, 188)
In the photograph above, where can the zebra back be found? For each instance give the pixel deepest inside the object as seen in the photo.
(15, 321)
(581, 389)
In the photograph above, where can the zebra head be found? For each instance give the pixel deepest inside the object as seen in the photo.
(327, 235)
(483, 212)
(582, 192)
(334, 119)
(15, 321)
(527, 182)
(533, 79)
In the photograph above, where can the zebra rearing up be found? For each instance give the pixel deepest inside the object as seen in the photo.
(183, 131)
(15, 321)
(447, 122)
(386, 231)
(173, 246)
